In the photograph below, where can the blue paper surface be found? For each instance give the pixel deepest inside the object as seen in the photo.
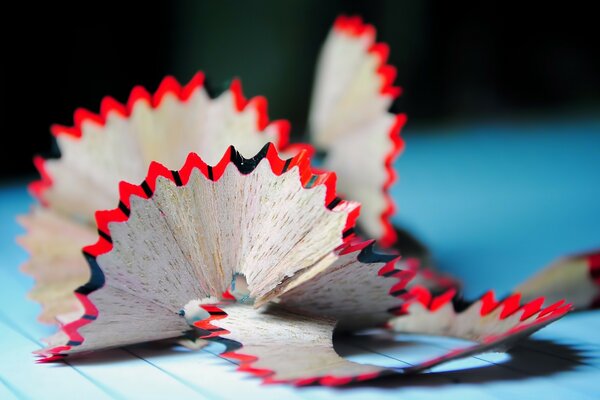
(497, 203)
(494, 204)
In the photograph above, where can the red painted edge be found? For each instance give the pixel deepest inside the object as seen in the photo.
(71, 330)
(509, 306)
(390, 236)
(354, 27)
(388, 270)
(593, 261)
(245, 361)
(422, 295)
(168, 86)
(542, 319)
(37, 188)
(193, 162)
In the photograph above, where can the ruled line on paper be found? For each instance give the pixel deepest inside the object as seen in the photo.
(366, 348)
(14, 327)
(575, 331)
(9, 390)
(205, 393)
(293, 392)
(530, 370)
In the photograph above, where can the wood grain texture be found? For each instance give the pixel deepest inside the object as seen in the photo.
(118, 144)
(349, 119)
(121, 147)
(288, 347)
(184, 245)
(54, 243)
(351, 290)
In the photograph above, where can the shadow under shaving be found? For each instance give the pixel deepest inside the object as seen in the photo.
(530, 358)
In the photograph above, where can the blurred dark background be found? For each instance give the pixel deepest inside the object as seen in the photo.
(456, 62)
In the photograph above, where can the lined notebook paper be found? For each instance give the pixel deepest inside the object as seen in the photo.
(561, 361)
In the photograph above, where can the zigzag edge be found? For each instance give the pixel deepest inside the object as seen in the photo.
(181, 177)
(354, 27)
(245, 361)
(169, 85)
(508, 307)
